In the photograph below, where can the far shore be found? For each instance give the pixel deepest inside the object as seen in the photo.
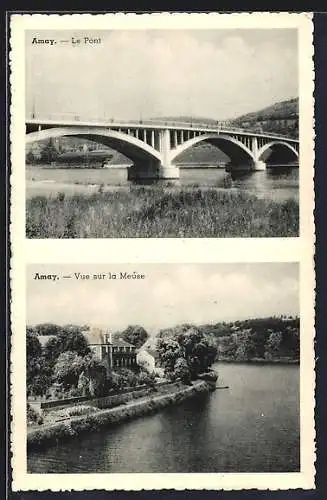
(51, 188)
(260, 361)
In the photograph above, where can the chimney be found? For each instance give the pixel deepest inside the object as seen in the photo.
(109, 337)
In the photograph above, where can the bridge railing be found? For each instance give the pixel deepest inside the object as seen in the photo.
(104, 120)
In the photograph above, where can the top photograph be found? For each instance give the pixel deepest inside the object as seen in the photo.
(162, 133)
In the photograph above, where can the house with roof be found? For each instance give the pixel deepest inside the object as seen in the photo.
(148, 357)
(110, 349)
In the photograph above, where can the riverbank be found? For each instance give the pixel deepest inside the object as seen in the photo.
(252, 427)
(260, 361)
(47, 435)
(161, 211)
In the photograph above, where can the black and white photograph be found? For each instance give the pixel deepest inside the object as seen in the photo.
(163, 368)
(141, 133)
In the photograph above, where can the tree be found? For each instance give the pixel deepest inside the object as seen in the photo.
(38, 373)
(33, 346)
(52, 350)
(190, 344)
(83, 384)
(49, 152)
(72, 339)
(47, 329)
(227, 346)
(246, 348)
(69, 338)
(96, 373)
(197, 350)
(182, 371)
(30, 157)
(40, 383)
(273, 345)
(68, 368)
(135, 335)
(169, 351)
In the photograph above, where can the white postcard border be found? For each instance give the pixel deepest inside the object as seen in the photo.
(184, 250)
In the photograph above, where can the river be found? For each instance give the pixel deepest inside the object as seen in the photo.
(276, 183)
(251, 427)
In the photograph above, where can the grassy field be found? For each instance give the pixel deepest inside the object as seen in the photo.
(146, 212)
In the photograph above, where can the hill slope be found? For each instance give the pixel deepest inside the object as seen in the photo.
(281, 117)
(279, 111)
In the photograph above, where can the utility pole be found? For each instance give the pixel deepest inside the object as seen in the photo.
(33, 108)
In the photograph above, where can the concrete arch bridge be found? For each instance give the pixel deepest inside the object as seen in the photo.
(154, 146)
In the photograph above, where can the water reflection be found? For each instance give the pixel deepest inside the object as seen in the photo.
(251, 427)
(276, 183)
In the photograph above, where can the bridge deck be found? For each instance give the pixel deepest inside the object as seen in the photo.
(149, 124)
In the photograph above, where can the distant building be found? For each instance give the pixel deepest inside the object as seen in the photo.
(111, 350)
(148, 357)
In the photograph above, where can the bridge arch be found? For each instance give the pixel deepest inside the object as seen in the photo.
(279, 150)
(233, 148)
(128, 145)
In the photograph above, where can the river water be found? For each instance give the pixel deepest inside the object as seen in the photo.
(276, 183)
(251, 427)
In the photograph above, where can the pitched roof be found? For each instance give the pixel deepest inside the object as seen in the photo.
(119, 342)
(97, 336)
(94, 336)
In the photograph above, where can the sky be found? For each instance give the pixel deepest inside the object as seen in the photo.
(170, 294)
(135, 74)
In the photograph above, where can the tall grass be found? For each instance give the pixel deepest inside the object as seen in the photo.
(141, 212)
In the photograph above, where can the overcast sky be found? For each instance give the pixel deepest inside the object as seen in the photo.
(169, 295)
(137, 74)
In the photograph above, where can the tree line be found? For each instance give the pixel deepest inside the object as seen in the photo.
(65, 365)
(271, 338)
(81, 151)
(48, 153)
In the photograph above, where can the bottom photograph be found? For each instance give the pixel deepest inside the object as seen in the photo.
(163, 368)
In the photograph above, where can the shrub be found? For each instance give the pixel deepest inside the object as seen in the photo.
(75, 411)
(33, 417)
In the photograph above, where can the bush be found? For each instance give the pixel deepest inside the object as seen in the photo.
(33, 417)
(146, 378)
(74, 392)
(75, 411)
(182, 370)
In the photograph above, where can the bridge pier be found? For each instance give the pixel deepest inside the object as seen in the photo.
(151, 171)
(171, 172)
(143, 171)
(255, 165)
(259, 165)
